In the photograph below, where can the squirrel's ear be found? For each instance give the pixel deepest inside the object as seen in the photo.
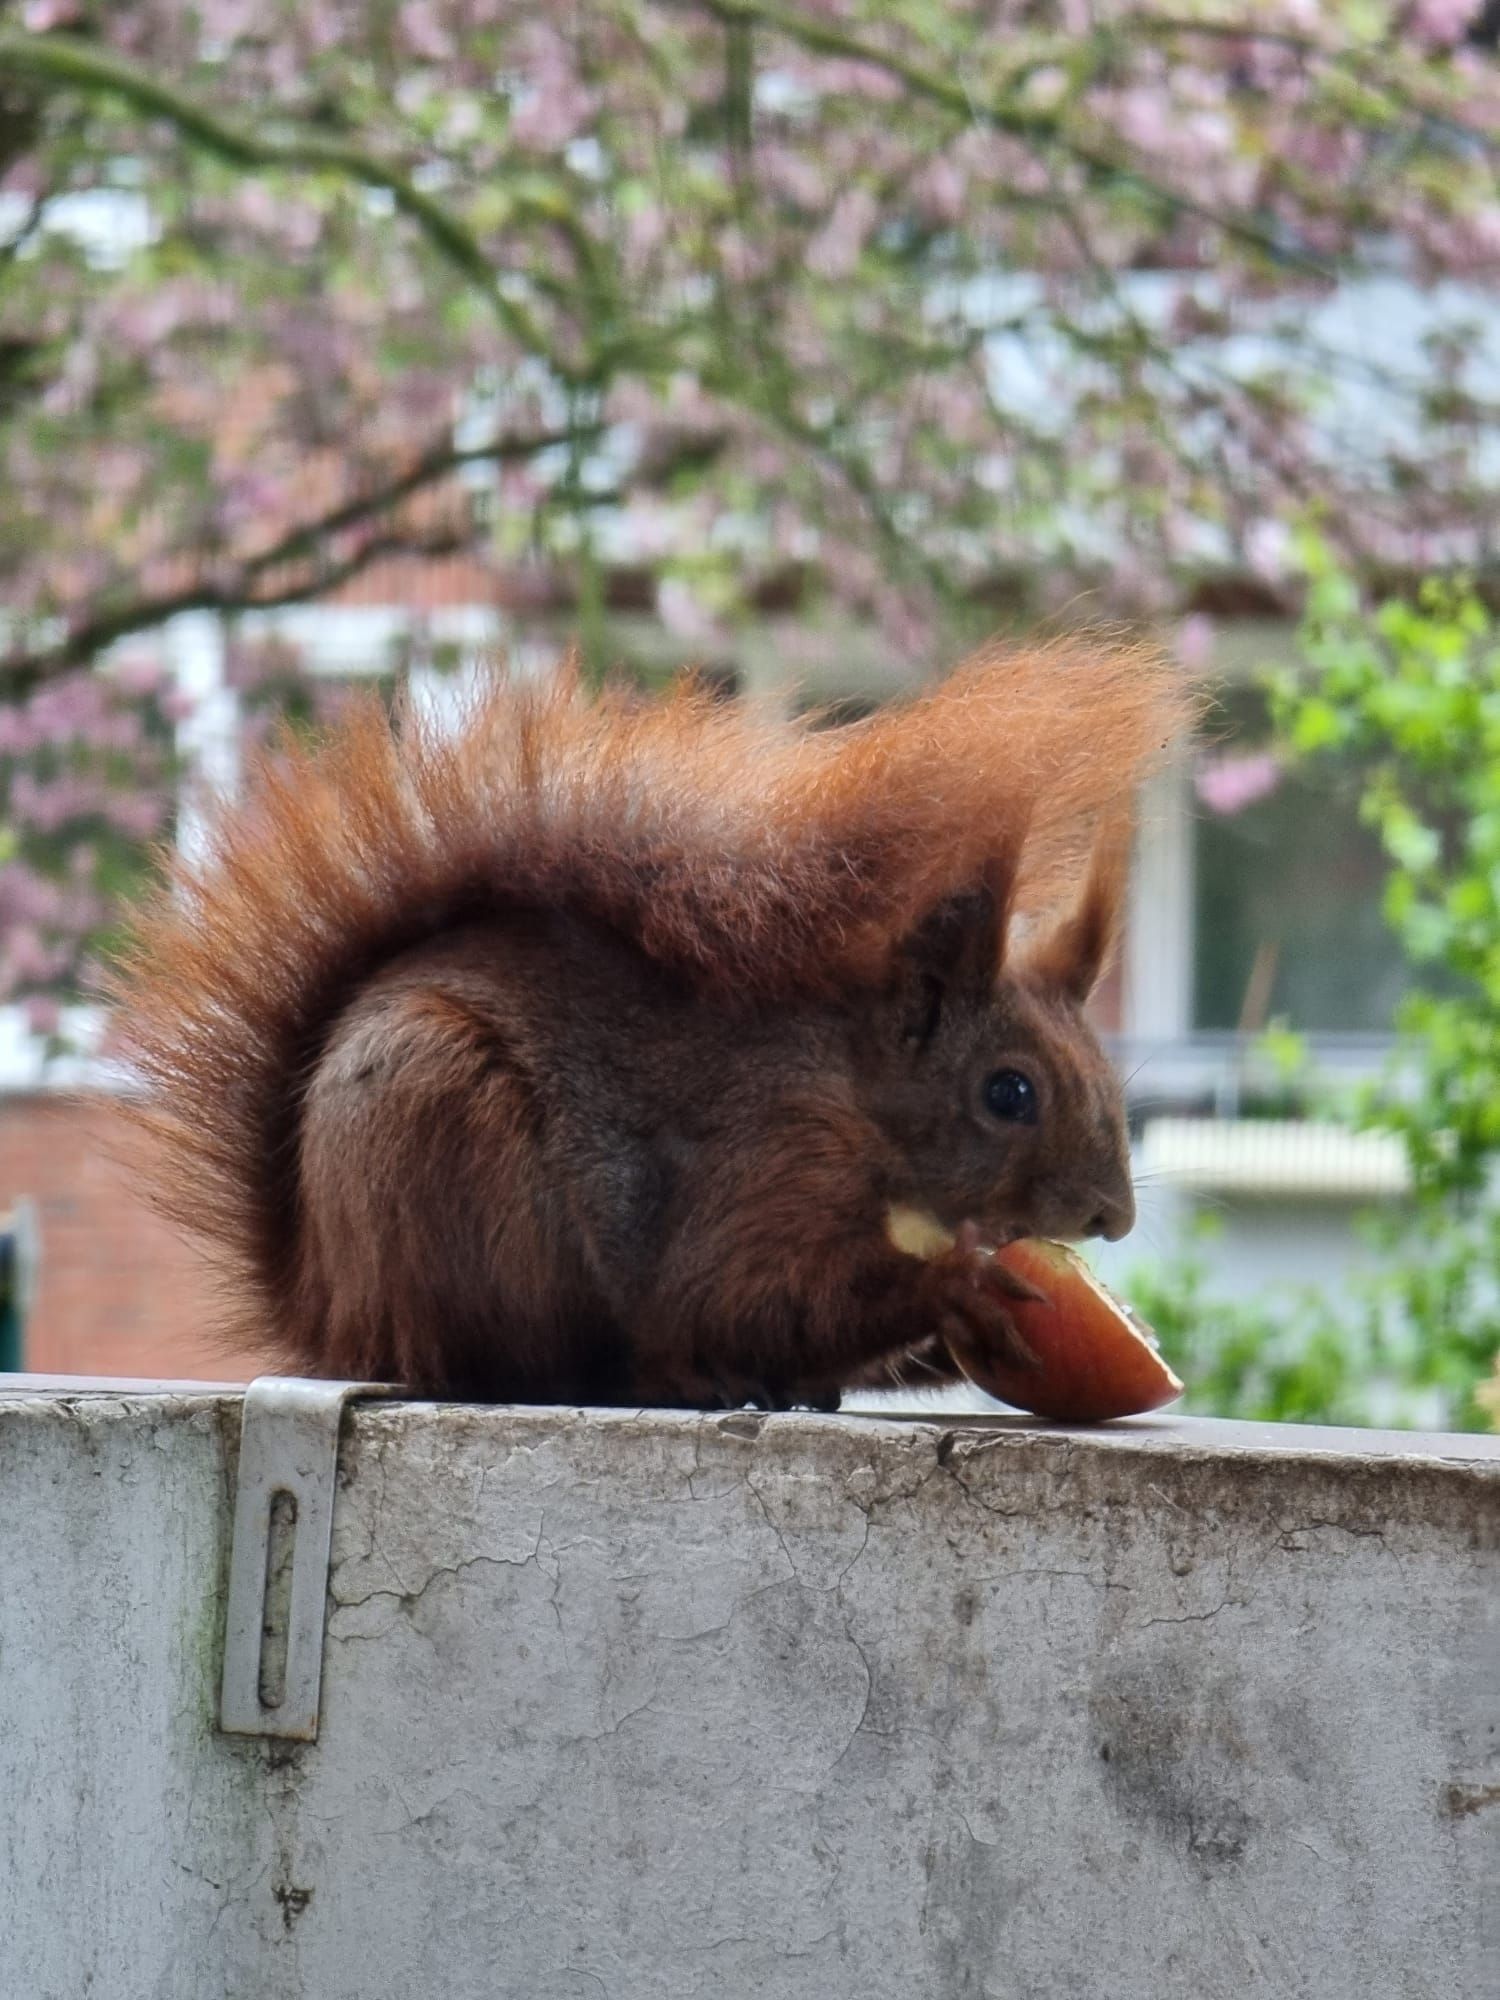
(1072, 956)
(954, 952)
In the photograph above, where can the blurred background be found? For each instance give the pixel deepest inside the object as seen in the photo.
(805, 344)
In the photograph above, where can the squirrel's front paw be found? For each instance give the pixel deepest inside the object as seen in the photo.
(969, 1290)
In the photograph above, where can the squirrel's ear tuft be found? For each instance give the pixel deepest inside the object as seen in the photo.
(1072, 956)
(954, 952)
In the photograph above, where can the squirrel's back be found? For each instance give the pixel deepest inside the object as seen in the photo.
(754, 860)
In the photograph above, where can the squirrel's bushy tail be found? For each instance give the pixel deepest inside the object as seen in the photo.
(763, 858)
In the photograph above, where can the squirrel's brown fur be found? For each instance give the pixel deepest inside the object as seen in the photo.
(577, 1052)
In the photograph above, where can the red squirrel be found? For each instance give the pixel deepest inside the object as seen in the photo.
(581, 1053)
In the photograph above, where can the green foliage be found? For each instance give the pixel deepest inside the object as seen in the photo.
(1410, 695)
(1281, 1359)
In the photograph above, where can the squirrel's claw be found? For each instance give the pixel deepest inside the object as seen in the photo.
(1004, 1279)
(969, 1243)
(971, 1310)
(727, 1394)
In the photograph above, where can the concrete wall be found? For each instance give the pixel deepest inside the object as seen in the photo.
(633, 1706)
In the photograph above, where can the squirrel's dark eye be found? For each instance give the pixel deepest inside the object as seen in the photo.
(1011, 1096)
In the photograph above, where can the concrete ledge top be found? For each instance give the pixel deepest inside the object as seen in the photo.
(1167, 1434)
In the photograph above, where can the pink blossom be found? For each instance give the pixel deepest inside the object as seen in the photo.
(1144, 118)
(1195, 643)
(683, 614)
(423, 31)
(941, 188)
(47, 804)
(138, 674)
(1228, 784)
(22, 177)
(1268, 548)
(229, 21)
(553, 105)
(41, 16)
(852, 78)
(742, 259)
(551, 114)
(27, 897)
(26, 958)
(1442, 21)
(139, 815)
(835, 250)
(17, 731)
(786, 171)
(646, 230)
(43, 1015)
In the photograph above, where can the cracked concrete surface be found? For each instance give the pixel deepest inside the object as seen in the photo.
(641, 1705)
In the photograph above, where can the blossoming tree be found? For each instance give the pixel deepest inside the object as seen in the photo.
(924, 311)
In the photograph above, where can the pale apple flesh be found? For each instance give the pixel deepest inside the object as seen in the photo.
(1097, 1358)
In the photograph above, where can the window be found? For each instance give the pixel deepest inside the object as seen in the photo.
(1256, 898)
(1287, 883)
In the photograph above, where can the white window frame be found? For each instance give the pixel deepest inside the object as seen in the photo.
(1167, 1058)
(336, 641)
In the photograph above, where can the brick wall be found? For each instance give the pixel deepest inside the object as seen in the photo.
(118, 1292)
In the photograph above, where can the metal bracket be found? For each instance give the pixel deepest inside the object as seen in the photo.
(278, 1564)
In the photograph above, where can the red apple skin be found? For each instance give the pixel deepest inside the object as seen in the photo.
(1094, 1363)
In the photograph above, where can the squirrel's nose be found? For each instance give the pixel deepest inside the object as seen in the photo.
(1114, 1219)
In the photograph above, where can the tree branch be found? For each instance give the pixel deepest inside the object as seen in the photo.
(1368, 63)
(68, 61)
(23, 671)
(1041, 128)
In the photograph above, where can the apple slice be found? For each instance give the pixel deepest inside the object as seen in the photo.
(1098, 1358)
